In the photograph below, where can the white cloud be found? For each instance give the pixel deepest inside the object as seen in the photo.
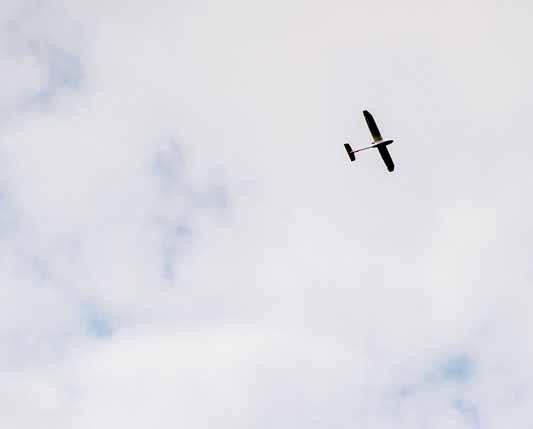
(183, 242)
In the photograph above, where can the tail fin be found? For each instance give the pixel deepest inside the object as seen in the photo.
(351, 153)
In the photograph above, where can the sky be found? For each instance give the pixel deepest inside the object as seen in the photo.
(185, 244)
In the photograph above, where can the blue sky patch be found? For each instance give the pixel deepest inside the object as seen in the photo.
(457, 369)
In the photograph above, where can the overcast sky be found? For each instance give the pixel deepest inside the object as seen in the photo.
(185, 244)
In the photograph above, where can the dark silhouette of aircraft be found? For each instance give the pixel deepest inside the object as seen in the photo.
(378, 143)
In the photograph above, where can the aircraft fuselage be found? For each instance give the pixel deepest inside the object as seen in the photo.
(383, 143)
(375, 144)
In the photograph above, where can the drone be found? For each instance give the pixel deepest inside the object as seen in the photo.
(378, 143)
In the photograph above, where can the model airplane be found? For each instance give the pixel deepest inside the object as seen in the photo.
(379, 143)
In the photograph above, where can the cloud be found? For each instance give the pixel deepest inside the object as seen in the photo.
(183, 242)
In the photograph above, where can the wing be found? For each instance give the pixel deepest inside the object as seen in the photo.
(385, 155)
(372, 126)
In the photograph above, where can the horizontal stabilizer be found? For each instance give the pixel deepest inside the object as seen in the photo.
(351, 153)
